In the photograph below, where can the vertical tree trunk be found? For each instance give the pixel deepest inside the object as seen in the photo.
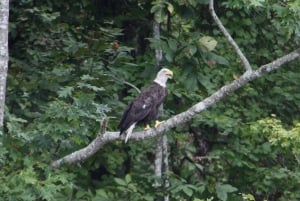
(161, 153)
(4, 14)
(158, 151)
(158, 51)
(158, 162)
(165, 168)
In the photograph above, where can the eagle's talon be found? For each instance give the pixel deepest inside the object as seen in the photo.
(157, 123)
(147, 127)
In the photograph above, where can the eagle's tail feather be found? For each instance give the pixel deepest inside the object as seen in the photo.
(129, 132)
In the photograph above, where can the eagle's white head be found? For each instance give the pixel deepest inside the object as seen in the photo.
(162, 76)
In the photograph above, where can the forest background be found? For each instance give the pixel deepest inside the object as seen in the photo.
(73, 64)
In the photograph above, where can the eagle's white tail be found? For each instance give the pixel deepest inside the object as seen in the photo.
(129, 132)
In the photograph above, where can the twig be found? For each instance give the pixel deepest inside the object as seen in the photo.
(115, 77)
(101, 140)
(201, 158)
(244, 60)
(133, 86)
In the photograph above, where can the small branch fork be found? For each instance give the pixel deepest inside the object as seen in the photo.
(105, 137)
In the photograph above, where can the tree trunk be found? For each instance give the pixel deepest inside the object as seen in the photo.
(4, 14)
(161, 153)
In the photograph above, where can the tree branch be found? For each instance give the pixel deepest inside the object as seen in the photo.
(244, 60)
(102, 139)
(133, 86)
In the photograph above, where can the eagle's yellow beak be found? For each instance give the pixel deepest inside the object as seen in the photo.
(169, 74)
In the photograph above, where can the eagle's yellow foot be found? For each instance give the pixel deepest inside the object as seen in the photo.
(157, 123)
(147, 127)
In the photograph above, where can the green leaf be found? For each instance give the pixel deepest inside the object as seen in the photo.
(87, 77)
(170, 7)
(248, 197)
(188, 191)
(158, 11)
(159, 16)
(219, 59)
(65, 92)
(173, 44)
(191, 50)
(207, 43)
(82, 85)
(128, 178)
(257, 3)
(223, 190)
(120, 182)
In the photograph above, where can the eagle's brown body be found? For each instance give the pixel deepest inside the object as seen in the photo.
(145, 107)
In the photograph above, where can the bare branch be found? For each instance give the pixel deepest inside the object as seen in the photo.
(133, 86)
(101, 140)
(244, 60)
(126, 83)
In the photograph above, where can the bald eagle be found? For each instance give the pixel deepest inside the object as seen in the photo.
(144, 108)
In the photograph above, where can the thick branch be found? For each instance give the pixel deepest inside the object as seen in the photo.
(244, 60)
(101, 140)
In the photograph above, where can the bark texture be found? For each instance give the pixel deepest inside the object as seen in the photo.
(4, 16)
(161, 152)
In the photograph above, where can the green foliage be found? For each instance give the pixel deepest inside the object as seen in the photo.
(160, 10)
(25, 176)
(286, 138)
(223, 189)
(68, 64)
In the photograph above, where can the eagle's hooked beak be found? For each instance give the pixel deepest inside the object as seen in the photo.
(170, 74)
